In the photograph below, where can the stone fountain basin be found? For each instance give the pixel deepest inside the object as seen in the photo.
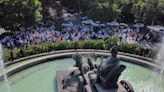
(24, 63)
(46, 58)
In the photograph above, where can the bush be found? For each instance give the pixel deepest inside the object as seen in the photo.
(129, 48)
(16, 53)
(79, 45)
(63, 45)
(99, 44)
(86, 44)
(6, 54)
(34, 49)
(152, 53)
(111, 41)
(46, 47)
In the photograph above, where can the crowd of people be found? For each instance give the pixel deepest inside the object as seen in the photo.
(33, 35)
(47, 32)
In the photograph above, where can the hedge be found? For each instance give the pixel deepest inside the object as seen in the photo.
(86, 44)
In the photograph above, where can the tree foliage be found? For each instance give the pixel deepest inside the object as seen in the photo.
(14, 13)
(129, 11)
(86, 44)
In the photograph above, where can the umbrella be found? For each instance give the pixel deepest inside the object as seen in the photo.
(98, 22)
(123, 24)
(156, 28)
(88, 21)
(138, 25)
(84, 18)
(69, 24)
(95, 24)
(103, 25)
(113, 23)
(2, 31)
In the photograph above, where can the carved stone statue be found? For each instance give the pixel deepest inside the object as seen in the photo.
(82, 66)
(91, 77)
(110, 70)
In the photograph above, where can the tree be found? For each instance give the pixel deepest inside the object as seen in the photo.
(50, 9)
(103, 10)
(15, 13)
(138, 10)
(149, 11)
(128, 11)
(161, 11)
(126, 14)
(151, 14)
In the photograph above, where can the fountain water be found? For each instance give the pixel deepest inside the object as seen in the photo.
(160, 59)
(149, 84)
(2, 69)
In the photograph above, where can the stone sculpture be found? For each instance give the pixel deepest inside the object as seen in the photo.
(90, 77)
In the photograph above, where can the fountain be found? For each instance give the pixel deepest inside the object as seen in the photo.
(2, 69)
(160, 59)
(43, 76)
(91, 77)
(48, 76)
